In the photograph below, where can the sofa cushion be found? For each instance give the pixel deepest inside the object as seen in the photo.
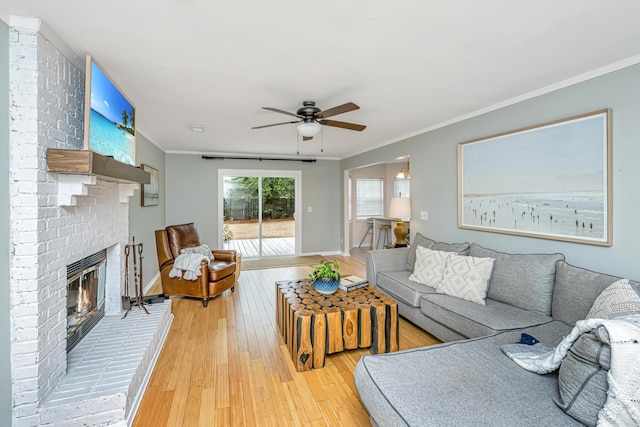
(461, 383)
(575, 291)
(466, 277)
(398, 286)
(582, 378)
(420, 240)
(429, 266)
(522, 280)
(473, 320)
(619, 299)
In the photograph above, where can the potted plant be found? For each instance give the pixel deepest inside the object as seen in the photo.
(325, 277)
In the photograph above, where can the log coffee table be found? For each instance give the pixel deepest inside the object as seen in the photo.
(313, 324)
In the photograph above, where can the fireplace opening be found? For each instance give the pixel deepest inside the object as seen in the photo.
(86, 281)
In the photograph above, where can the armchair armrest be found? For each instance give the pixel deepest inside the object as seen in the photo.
(228, 255)
(180, 286)
(384, 260)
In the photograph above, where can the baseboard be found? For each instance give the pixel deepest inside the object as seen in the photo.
(150, 283)
(339, 253)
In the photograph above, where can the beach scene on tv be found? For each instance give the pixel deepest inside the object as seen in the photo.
(549, 181)
(112, 120)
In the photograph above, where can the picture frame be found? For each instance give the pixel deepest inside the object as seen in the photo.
(150, 193)
(550, 181)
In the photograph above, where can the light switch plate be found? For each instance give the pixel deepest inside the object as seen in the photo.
(424, 215)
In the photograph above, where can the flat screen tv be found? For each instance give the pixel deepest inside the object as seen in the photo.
(109, 117)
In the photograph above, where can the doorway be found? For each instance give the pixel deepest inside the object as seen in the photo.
(390, 179)
(258, 212)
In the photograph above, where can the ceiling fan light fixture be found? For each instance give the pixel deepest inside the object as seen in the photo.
(309, 128)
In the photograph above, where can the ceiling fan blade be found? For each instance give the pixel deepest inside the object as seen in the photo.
(281, 111)
(274, 124)
(307, 138)
(344, 125)
(344, 108)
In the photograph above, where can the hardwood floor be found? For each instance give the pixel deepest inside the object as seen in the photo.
(228, 365)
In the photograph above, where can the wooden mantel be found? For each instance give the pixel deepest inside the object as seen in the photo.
(87, 162)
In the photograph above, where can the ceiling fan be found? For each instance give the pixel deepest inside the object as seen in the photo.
(312, 117)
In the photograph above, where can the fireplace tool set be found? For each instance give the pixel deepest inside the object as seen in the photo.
(135, 249)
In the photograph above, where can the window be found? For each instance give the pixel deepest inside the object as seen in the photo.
(369, 198)
(402, 187)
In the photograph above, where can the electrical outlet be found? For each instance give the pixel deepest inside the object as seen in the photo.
(424, 215)
(309, 209)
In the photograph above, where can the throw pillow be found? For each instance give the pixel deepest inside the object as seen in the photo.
(619, 299)
(202, 250)
(429, 266)
(466, 277)
(420, 240)
(582, 379)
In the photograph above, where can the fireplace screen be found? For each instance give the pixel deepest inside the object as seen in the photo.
(85, 295)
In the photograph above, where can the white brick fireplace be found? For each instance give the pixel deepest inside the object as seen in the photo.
(48, 232)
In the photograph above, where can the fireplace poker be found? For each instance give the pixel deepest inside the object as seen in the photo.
(126, 299)
(139, 291)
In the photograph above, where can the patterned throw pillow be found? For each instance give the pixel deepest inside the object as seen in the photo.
(466, 277)
(619, 299)
(429, 266)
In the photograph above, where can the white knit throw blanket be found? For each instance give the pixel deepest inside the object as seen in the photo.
(189, 264)
(622, 407)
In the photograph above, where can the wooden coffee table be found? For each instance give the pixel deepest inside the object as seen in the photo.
(313, 324)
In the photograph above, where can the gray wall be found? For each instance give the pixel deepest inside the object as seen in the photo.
(192, 189)
(5, 239)
(434, 170)
(143, 221)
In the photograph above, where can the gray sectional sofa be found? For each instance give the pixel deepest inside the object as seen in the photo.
(467, 380)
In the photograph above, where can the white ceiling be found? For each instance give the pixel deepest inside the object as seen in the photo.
(410, 65)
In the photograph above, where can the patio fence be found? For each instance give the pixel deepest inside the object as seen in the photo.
(239, 209)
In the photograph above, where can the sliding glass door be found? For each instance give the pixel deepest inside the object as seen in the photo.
(258, 212)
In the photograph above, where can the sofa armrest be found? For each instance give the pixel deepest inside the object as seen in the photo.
(385, 260)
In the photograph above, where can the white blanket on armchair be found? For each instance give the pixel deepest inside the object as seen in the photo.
(622, 407)
(189, 263)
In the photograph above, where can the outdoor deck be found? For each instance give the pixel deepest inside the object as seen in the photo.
(277, 246)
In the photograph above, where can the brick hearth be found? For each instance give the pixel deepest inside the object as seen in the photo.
(107, 369)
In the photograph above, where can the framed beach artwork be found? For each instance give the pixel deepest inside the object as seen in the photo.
(551, 181)
(151, 193)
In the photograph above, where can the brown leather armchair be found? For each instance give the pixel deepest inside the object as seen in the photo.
(217, 276)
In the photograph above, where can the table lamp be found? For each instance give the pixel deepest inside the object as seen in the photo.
(400, 208)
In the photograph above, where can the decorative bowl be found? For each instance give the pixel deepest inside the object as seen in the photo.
(326, 285)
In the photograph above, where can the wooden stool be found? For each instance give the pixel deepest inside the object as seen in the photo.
(387, 239)
(369, 230)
